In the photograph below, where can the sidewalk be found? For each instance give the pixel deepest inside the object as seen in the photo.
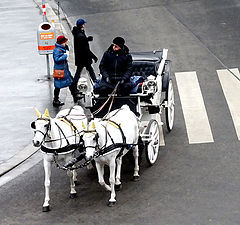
(23, 85)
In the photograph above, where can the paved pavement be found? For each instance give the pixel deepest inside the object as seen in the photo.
(23, 79)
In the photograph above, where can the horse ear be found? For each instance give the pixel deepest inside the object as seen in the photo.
(93, 125)
(46, 114)
(83, 125)
(38, 113)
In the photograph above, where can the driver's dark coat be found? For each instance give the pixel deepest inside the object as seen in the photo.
(117, 65)
(83, 54)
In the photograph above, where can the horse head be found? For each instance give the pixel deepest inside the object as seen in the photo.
(90, 138)
(40, 126)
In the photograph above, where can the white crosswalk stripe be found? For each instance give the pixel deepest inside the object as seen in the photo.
(195, 115)
(231, 90)
(194, 111)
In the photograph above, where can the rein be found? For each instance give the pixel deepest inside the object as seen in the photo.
(112, 95)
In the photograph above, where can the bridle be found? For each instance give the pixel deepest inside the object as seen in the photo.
(96, 136)
(106, 149)
(47, 128)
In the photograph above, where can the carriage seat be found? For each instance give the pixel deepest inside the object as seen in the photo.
(144, 68)
(146, 63)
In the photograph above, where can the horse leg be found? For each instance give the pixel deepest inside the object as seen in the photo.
(118, 185)
(100, 171)
(136, 167)
(112, 170)
(73, 192)
(75, 177)
(47, 170)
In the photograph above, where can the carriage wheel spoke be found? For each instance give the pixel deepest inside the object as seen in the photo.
(153, 145)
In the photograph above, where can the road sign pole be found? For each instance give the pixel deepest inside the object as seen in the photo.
(47, 56)
(44, 11)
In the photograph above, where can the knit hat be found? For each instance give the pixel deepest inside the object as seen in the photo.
(61, 39)
(80, 22)
(119, 41)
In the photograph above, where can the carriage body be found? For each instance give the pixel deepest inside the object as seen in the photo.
(151, 97)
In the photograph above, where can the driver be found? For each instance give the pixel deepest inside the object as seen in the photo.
(115, 66)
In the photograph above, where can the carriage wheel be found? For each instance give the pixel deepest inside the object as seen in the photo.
(152, 147)
(169, 110)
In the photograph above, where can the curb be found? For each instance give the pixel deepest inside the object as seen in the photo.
(17, 159)
(29, 150)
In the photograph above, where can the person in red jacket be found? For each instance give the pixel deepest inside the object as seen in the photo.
(60, 58)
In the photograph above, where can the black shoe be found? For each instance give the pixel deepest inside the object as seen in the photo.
(57, 103)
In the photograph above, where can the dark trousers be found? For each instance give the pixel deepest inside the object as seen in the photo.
(122, 90)
(57, 92)
(78, 74)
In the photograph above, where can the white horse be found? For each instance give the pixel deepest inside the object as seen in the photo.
(58, 138)
(113, 137)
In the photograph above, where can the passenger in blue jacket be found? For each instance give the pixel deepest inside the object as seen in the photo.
(60, 55)
(115, 67)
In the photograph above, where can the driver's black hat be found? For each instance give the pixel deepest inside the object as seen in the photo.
(119, 41)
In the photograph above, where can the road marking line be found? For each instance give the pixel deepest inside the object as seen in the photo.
(194, 111)
(231, 90)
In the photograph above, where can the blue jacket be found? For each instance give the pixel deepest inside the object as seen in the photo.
(60, 63)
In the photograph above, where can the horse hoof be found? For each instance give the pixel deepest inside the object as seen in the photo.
(136, 178)
(111, 204)
(46, 208)
(118, 187)
(72, 196)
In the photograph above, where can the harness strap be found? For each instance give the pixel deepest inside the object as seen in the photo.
(67, 148)
(123, 137)
(63, 133)
(113, 146)
(68, 122)
(107, 133)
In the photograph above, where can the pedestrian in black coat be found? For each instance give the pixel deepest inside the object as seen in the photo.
(115, 66)
(83, 54)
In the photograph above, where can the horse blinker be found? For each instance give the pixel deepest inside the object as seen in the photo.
(33, 125)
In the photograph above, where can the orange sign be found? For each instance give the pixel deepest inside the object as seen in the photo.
(46, 48)
(46, 36)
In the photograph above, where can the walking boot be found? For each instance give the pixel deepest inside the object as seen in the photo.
(57, 103)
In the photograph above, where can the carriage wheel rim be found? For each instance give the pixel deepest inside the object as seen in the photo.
(153, 146)
(170, 108)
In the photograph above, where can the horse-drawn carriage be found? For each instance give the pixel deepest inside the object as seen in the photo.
(153, 69)
(114, 128)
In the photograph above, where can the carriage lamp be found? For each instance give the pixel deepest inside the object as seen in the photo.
(83, 85)
(150, 86)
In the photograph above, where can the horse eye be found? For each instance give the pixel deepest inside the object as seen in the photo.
(33, 125)
(46, 125)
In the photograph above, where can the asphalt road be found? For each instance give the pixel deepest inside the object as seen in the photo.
(190, 183)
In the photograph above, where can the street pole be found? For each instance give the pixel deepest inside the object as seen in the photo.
(47, 55)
